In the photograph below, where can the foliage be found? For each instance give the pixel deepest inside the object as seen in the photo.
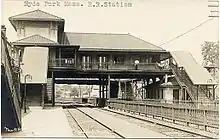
(210, 52)
(74, 92)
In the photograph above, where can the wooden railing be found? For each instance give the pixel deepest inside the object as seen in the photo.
(70, 63)
(64, 62)
(187, 103)
(188, 115)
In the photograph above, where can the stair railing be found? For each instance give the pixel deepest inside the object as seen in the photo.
(10, 75)
(177, 73)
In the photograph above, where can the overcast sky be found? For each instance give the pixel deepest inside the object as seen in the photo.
(155, 21)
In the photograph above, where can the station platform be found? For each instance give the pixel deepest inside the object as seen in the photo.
(48, 122)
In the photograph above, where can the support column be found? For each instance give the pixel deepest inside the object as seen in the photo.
(197, 92)
(103, 89)
(142, 90)
(213, 92)
(160, 94)
(119, 88)
(125, 93)
(108, 86)
(53, 89)
(180, 95)
(110, 61)
(43, 94)
(59, 56)
(136, 92)
(154, 86)
(100, 93)
(75, 58)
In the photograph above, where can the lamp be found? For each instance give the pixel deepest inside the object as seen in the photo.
(136, 62)
(27, 76)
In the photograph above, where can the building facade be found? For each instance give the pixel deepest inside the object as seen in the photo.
(48, 53)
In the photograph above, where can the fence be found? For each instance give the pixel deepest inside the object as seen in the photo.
(187, 115)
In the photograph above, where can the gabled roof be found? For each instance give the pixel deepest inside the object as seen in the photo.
(197, 74)
(36, 15)
(108, 41)
(34, 39)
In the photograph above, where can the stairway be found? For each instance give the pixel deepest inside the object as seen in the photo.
(10, 100)
(181, 80)
(185, 82)
(10, 110)
(203, 95)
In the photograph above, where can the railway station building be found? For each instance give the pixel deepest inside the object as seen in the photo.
(118, 63)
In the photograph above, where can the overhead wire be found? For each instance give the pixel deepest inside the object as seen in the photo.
(182, 34)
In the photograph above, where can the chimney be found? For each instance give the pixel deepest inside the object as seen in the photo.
(3, 29)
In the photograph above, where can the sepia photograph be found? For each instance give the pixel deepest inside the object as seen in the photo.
(110, 69)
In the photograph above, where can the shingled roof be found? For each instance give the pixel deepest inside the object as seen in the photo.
(107, 41)
(36, 15)
(197, 74)
(34, 39)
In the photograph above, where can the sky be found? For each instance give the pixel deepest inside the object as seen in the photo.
(155, 21)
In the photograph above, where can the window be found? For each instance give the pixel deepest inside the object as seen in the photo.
(102, 62)
(119, 60)
(86, 62)
(176, 94)
(149, 59)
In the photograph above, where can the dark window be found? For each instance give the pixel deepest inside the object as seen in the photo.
(176, 94)
(119, 60)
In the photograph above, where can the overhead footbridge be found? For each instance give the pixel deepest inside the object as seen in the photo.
(193, 78)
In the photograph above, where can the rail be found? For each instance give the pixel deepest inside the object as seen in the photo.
(71, 63)
(64, 62)
(188, 115)
(7, 63)
(187, 103)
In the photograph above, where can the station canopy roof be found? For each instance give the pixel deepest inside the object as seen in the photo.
(109, 42)
(197, 74)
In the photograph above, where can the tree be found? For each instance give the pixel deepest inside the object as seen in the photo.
(74, 92)
(210, 53)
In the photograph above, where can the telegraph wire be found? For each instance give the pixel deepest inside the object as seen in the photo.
(166, 42)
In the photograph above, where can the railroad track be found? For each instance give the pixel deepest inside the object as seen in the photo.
(83, 117)
(85, 126)
(171, 132)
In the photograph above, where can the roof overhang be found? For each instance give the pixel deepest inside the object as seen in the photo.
(60, 22)
(44, 45)
(119, 50)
